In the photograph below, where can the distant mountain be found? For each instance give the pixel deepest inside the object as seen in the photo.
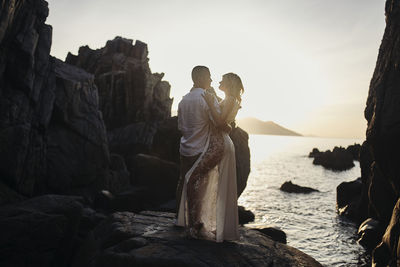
(256, 126)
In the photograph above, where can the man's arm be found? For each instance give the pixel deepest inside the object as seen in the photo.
(219, 118)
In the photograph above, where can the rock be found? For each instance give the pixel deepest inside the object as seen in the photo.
(166, 140)
(169, 206)
(346, 192)
(134, 199)
(159, 175)
(52, 135)
(77, 152)
(338, 160)
(151, 239)
(369, 233)
(119, 179)
(274, 233)
(314, 152)
(348, 200)
(289, 187)
(132, 139)
(27, 85)
(41, 231)
(128, 91)
(380, 153)
(9, 196)
(240, 140)
(354, 151)
(382, 196)
(387, 253)
(245, 216)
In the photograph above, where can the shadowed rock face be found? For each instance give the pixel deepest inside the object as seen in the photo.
(27, 93)
(128, 91)
(380, 155)
(52, 135)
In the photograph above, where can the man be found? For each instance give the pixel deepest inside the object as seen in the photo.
(194, 121)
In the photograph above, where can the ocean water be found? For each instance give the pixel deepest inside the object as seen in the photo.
(310, 221)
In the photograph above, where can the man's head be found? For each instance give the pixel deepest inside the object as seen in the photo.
(201, 77)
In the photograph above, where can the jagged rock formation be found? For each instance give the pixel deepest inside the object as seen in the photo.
(380, 157)
(52, 135)
(339, 159)
(128, 91)
(27, 92)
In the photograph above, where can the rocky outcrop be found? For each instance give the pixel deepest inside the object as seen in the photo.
(128, 91)
(380, 155)
(52, 135)
(151, 239)
(339, 159)
(289, 187)
(27, 93)
(348, 200)
(77, 150)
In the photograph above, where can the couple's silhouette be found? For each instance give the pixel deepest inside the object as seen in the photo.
(207, 192)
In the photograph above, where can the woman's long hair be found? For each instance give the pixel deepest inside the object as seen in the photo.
(234, 85)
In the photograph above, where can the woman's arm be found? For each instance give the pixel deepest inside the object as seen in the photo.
(219, 119)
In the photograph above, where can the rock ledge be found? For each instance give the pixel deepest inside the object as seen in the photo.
(152, 239)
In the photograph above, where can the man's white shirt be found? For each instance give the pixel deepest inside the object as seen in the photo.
(194, 121)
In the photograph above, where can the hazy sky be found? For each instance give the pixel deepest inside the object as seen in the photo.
(305, 64)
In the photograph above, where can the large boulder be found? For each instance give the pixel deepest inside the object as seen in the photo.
(160, 175)
(77, 149)
(151, 239)
(129, 91)
(348, 200)
(41, 231)
(240, 139)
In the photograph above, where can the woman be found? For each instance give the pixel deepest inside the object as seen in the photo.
(209, 198)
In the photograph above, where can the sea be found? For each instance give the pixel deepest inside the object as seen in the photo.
(310, 221)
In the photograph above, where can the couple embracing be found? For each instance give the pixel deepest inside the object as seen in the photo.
(207, 193)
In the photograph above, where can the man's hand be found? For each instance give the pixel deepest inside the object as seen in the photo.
(225, 128)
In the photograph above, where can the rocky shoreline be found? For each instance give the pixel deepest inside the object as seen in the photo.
(372, 200)
(87, 148)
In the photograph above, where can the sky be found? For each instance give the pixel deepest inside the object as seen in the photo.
(305, 64)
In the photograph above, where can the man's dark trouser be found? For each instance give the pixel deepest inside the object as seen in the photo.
(186, 164)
